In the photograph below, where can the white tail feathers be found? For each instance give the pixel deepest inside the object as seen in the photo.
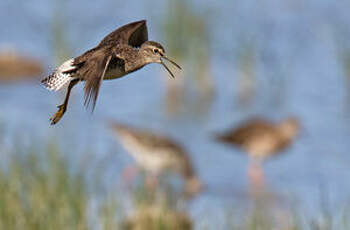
(59, 78)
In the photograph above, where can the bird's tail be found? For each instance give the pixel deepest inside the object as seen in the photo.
(60, 77)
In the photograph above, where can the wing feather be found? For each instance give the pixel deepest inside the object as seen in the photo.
(133, 34)
(93, 74)
(248, 130)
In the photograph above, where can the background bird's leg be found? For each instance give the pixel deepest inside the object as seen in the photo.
(62, 108)
(129, 174)
(256, 173)
(152, 181)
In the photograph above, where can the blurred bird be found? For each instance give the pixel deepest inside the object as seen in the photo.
(17, 67)
(123, 51)
(155, 154)
(261, 139)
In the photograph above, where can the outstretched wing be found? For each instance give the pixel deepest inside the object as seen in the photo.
(133, 34)
(93, 71)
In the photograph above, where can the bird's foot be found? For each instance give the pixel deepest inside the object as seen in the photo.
(129, 173)
(58, 115)
(151, 182)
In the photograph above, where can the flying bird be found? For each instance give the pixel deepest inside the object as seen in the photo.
(121, 52)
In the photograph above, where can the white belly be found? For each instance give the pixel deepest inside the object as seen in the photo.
(149, 159)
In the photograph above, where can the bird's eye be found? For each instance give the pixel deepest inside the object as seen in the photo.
(156, 51)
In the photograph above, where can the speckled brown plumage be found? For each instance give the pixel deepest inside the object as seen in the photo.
(262, 138)
(123, 51)
(156, 153)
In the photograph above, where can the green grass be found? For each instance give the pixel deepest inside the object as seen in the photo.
(187, 35)
(42, 189)
(40, 192)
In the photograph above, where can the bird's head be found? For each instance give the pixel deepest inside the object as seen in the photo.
(125, 133)
(290, 127)
(155, 53)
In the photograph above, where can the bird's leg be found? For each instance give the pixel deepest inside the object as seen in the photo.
(62, 108)
(151, 181)
(256, 173)
(129, 174)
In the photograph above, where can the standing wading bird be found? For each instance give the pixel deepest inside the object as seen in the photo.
(123, 51)
(18, 67)
(261, 139)
(155, 154)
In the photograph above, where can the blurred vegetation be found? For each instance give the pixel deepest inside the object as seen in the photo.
(41, 189)
(40, 192)
(60, 28)
(247, 71)
(187, 34)
(343, 54)
(157, 217)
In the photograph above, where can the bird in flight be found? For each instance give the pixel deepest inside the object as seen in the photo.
(121, 52)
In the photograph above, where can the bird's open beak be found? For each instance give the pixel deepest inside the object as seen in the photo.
(166, 67)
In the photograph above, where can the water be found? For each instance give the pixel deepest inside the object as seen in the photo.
(296, 41)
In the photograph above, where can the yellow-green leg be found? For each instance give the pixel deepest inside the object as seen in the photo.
(62, 108)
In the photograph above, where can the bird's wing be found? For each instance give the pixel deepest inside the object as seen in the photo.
(133, 34)
(174, 151)
(92, 72)
(80, 60)
(155, 141)
(247, 130)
